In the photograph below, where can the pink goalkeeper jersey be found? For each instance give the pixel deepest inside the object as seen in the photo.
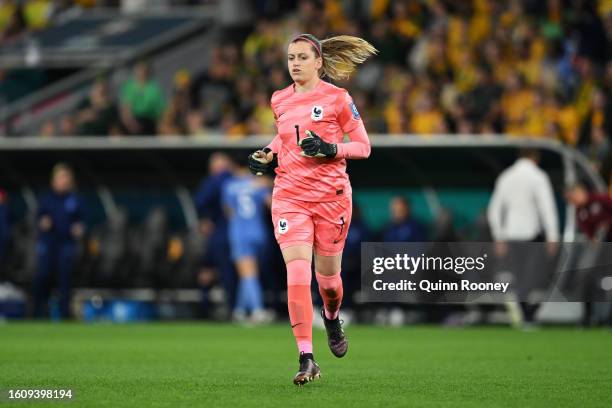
(328, 111)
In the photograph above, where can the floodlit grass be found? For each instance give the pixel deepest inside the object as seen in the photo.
(200, 364)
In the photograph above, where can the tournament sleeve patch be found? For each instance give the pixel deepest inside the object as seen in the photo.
(354, 110)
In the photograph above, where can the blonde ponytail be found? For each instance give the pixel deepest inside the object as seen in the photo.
(342, 53)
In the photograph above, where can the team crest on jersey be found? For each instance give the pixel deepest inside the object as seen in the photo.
(317, 113)
(283, 226)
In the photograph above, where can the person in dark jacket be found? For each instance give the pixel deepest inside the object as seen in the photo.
(213, 225)
(60, 226)
(403, 227)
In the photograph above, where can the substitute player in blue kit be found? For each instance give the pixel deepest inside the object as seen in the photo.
(245, 199)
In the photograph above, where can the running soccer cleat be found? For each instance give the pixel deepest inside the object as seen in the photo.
(337, 341)
(309, 370)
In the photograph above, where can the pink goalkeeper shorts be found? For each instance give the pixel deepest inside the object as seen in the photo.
(323, 226)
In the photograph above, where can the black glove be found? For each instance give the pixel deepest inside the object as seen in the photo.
(314, 146)
(259, 168)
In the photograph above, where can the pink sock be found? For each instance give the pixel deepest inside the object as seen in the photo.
(330, 288)
(299, 301)
(305, 347)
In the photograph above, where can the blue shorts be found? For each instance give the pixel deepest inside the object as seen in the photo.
(247, 247)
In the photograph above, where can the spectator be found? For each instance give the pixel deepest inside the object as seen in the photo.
(567, 120)
(12, 22)
(516, 101)
(596, 130)
(245, 97)
(60, 225)
(37, 13)
(67, 126)
(262, 119)
(539, 118)
(482, 101)
(232, 126)
(98, 115)
(261, 39)
(175, 120)
(404, 227)
(386, 43)
(394, 113)
(48, 129)
(195, 124)
(142, 102)
(213, 91)
(7, 9)
(427, 119)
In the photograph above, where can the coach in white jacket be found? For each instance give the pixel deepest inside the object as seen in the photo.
(523, 209)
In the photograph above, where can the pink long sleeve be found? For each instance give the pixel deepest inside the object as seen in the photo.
(351, 123)
(358, 147)
(275, 144)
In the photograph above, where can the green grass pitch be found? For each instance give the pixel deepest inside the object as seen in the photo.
(207, 365)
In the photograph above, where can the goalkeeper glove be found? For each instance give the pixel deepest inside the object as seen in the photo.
(259, 165)
(314, 146)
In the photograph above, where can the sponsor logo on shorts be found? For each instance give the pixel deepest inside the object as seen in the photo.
(283, 226)
(317, 113)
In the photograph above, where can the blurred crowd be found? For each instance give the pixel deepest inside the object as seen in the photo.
(520, 67)
(19, 17)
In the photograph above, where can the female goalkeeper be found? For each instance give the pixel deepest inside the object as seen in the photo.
(311, 201)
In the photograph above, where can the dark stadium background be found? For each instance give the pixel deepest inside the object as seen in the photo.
(457, 89)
